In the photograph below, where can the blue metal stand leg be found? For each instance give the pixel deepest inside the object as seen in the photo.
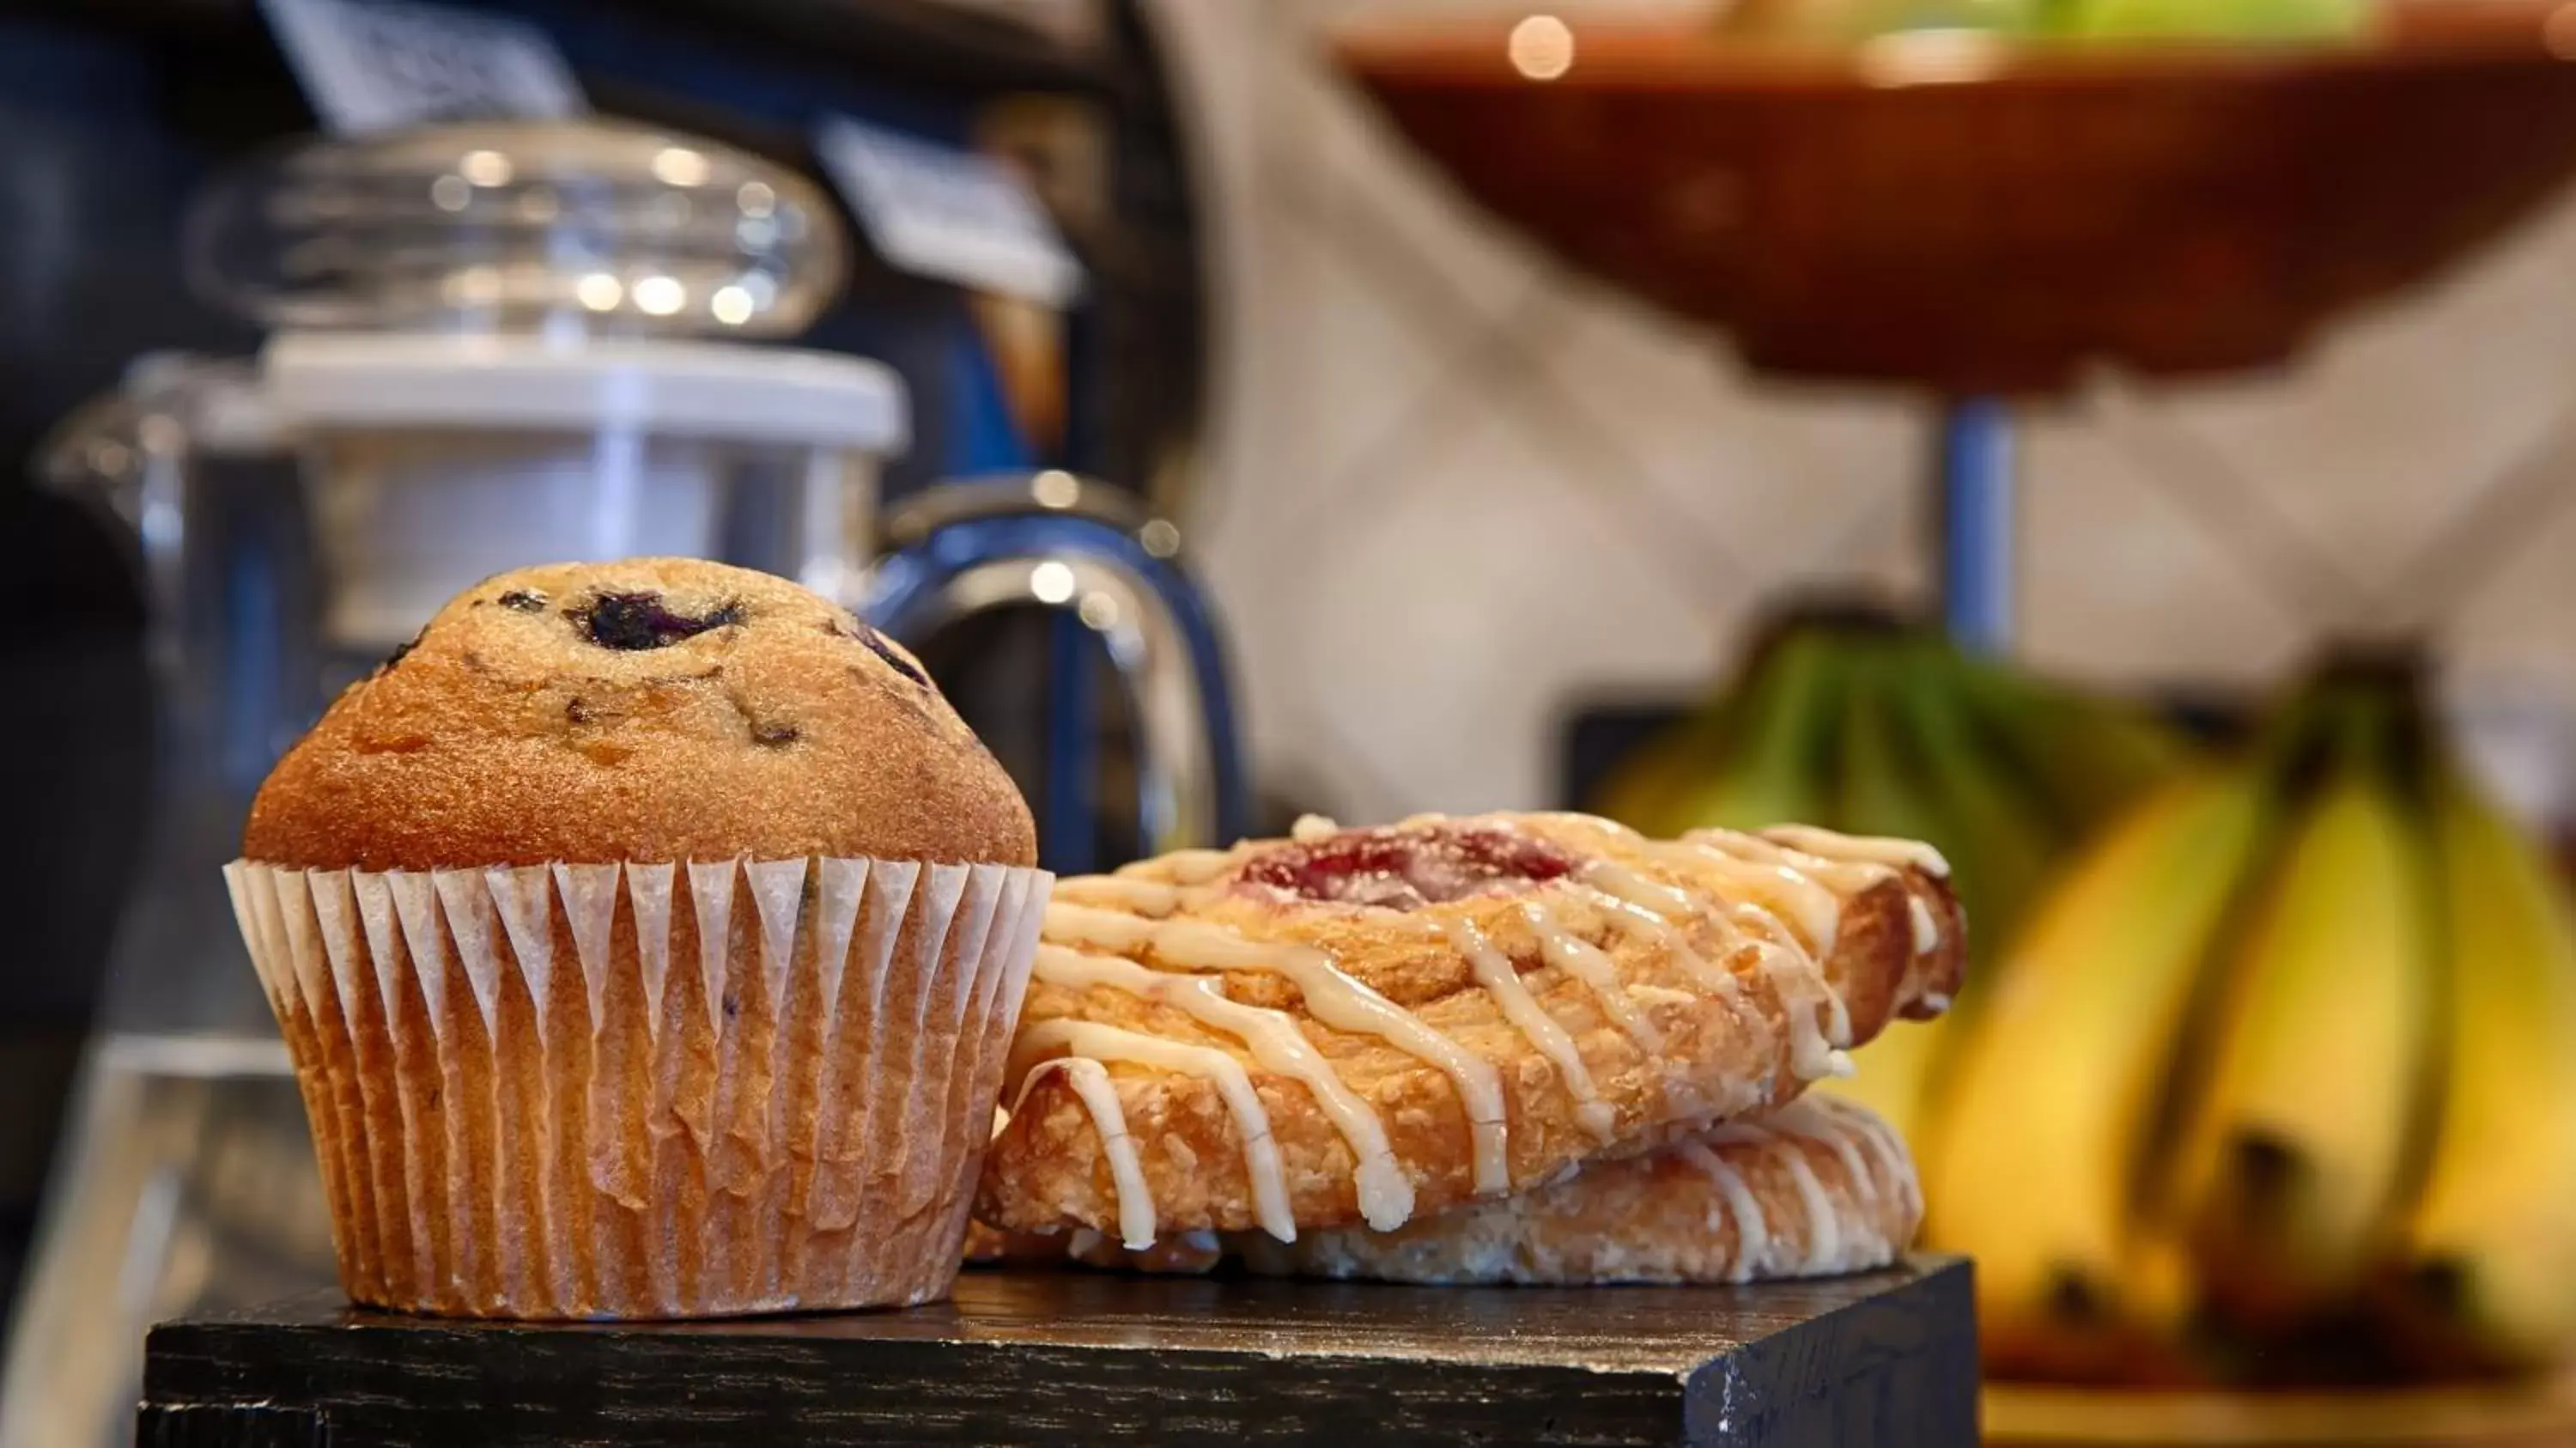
(1976, 490)
(1067, 825)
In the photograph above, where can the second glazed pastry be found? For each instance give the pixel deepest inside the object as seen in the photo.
(1818, 1187)
(1362, 1027)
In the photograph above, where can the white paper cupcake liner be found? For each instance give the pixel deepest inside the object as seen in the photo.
(646, 1090)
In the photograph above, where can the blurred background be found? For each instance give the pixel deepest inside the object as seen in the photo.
(1568, 490)
(2016, 423)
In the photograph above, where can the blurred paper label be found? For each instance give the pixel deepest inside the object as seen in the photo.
(937, 211)
(369, 66)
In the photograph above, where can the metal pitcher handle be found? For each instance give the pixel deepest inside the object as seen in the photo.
(1055, 541)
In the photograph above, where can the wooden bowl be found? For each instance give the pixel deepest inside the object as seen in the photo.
(2539, 1414)
(1981, 217)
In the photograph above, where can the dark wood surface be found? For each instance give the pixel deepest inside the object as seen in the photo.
(1886, 1360)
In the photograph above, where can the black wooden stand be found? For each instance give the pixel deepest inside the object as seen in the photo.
(1887, 1360)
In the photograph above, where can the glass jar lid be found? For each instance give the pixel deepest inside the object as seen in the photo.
(582, 227)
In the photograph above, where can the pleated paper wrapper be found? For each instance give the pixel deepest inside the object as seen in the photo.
(646, 1090)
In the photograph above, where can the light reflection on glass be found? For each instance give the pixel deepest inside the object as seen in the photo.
(1541, 47)
(599, 291)
(2558, 32)
(679, 166)
(475, 286)
(1055, 488)
(484, 168)
(1932, 57)
(731, 305)
(1051, 582)
(660, 296)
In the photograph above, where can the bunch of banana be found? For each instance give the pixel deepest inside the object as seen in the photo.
(1855, 721)
(2279, 1082)
(2039, 21)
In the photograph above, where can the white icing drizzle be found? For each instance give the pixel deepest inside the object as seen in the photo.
(1847, 862)
(1605, 825)
(1764, 869)
(1385, 1193)
(1805, 1119)
(1251, 1120)
(1752, 1233)
(1333, 996)
(1153, 899)
(1640, 907)
(1584, 961)
(1880, 1139)
(1806, 873)
(1313, 829)
(1620, 882)
(1497, 977)
(1824, 1228)
(1843, 872)
(1183, 867)
(1090, 1082)
(1827, 844)
(1070, 923)
(1819, 1022)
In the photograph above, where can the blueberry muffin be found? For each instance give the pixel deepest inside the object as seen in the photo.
(659, 709)
(648, 937)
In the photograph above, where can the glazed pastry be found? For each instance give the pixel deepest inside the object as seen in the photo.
(1818, 1187)
(1814, 1188)
(648, 938)
(1363, 1027)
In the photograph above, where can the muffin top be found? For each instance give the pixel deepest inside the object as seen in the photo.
(655, 709)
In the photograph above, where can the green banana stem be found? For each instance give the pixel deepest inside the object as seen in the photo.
(1773, 768)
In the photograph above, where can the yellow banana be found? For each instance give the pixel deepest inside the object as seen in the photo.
(2293, 1152)
(1881, 793)
(2489, 1255)
(1915, 765)
(2032, 1157)
(1641, 789)
(1998, 832)
(1774, 765)
(2093, 755)
(1650, 786)
(1894, 1078)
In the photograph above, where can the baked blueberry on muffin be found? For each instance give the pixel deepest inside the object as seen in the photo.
(649, 938)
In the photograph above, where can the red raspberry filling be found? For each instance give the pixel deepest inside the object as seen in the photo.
(1408, 867)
